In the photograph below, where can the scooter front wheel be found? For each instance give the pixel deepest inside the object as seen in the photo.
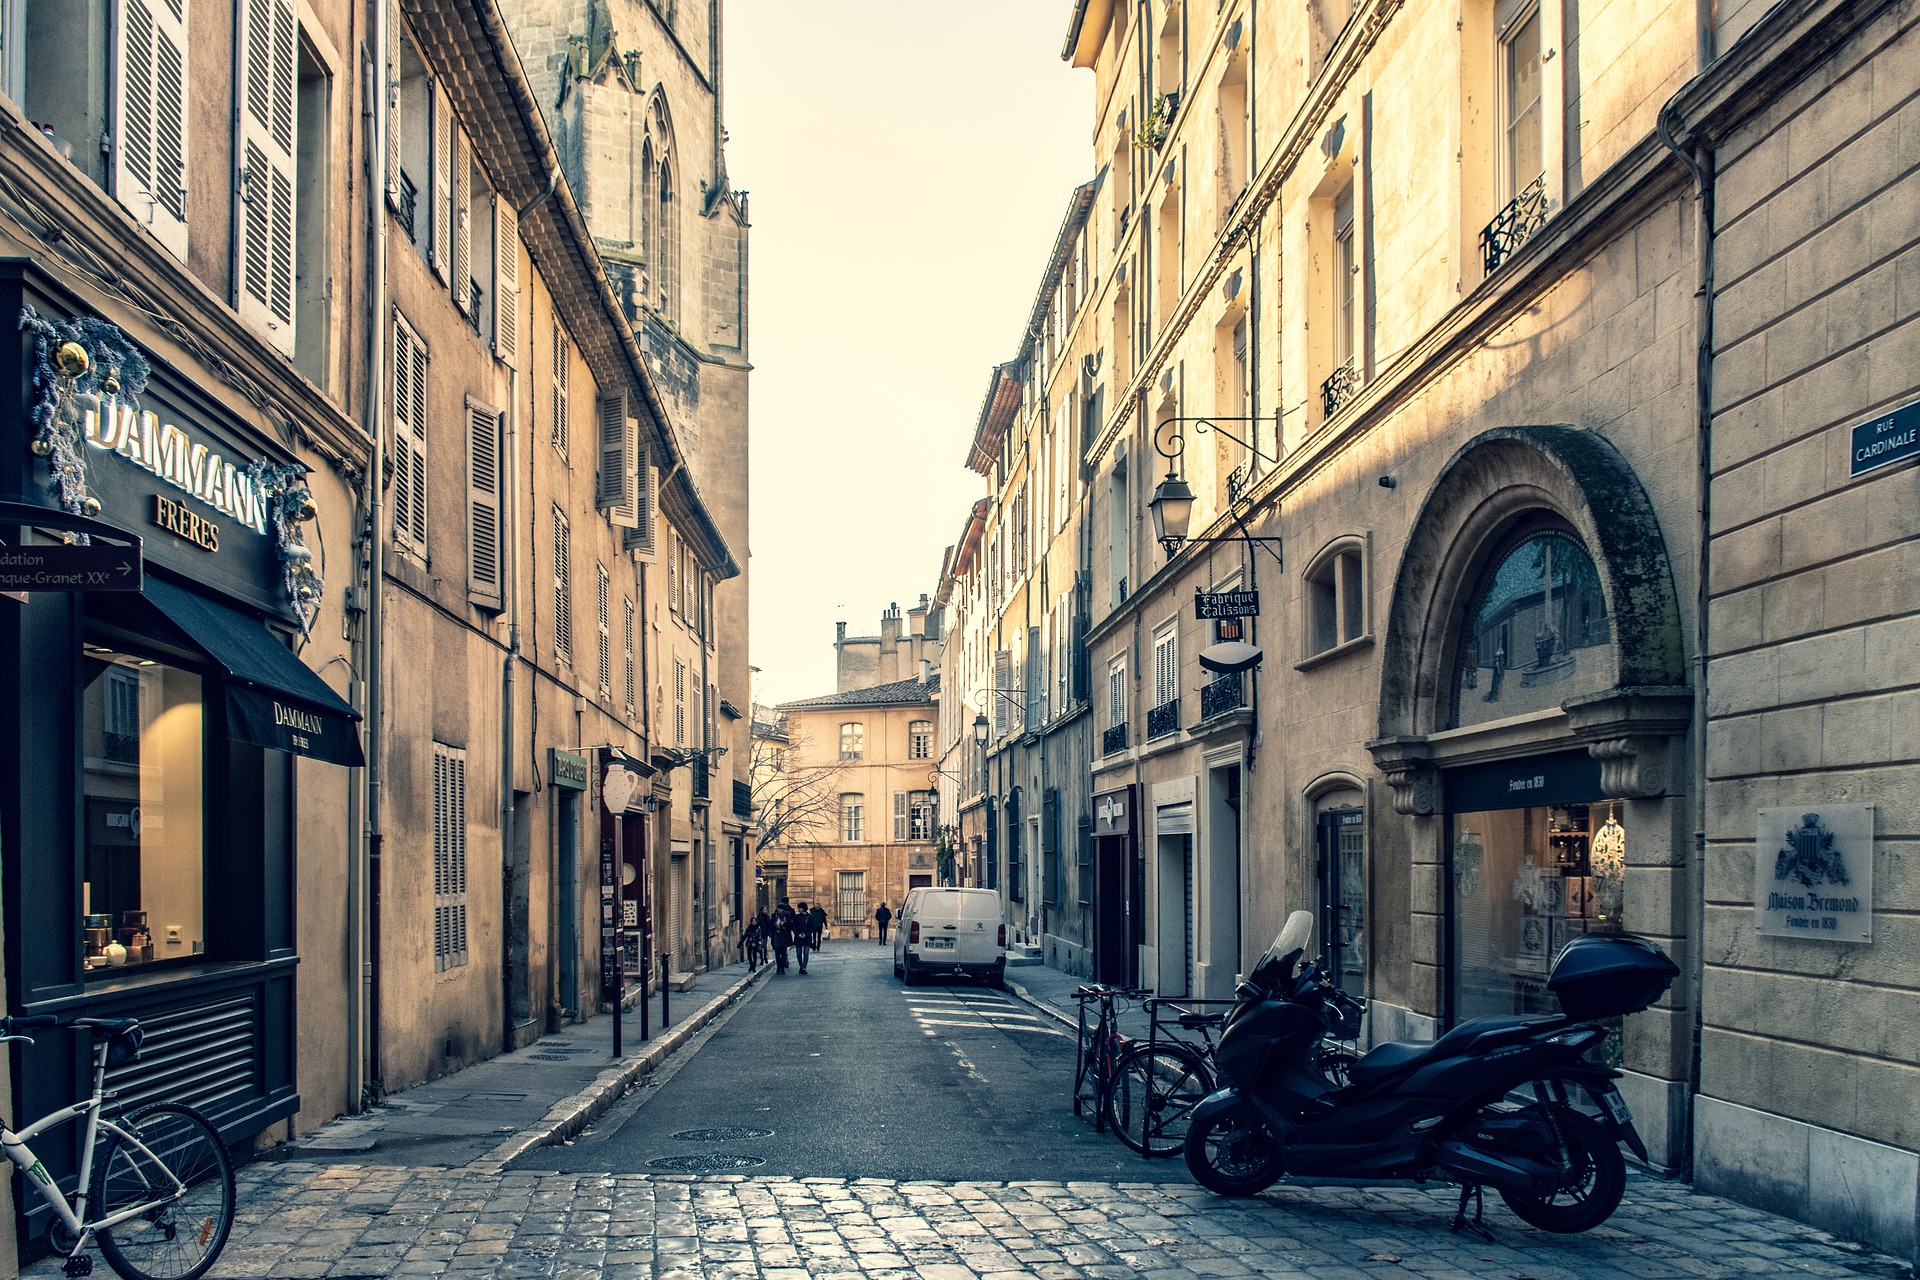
(1233, 1152)
(1594, 1178)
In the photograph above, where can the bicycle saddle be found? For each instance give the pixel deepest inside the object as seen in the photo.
(1194, 1021)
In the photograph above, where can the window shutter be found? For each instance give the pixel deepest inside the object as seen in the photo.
(462, 282)
(442, 143)
(506, 279)
(1002, 677)
(393, 105)
(614, 487)
(642, 539)
(562, 586)
(900, 816)
(264, 186)
(483, 505)
(409, 438)
(150, 118)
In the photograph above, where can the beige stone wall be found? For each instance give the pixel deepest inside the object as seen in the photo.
(1815, 616)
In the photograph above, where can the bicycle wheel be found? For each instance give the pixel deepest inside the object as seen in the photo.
(179, 1236)
(1154, 1093)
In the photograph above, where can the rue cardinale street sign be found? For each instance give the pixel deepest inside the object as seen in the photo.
(58, 567)
(1227, 604)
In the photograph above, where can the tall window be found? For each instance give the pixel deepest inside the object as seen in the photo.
(1346, 263)
(853, 740)
(562, 587)
(853, 807)
(1119, 542)
(1336, 599)
(449, 857)
(603, 613)
(561, 435)
(1117, 694)
(1520, 65)
(913, 815)
(1166, 667)
(851, 905)
(920, 740)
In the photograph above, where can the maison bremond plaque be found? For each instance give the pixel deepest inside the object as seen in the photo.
(1813, 873)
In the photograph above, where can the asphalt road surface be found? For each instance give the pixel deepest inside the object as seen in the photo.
(847, 1073)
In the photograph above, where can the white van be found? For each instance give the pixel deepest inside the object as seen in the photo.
(950, 931)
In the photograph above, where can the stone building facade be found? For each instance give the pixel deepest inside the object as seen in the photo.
(1540, 371)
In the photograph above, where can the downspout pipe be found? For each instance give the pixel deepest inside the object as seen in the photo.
(1698, 157)
(363, 1021)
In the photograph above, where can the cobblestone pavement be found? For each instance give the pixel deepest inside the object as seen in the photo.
(309, 1222)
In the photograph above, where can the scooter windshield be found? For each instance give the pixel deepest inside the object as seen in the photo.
(1292, 938)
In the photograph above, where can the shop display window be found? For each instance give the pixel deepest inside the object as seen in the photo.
(1525, 882)
(143, 896)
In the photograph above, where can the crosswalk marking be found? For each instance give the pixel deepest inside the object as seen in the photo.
(956, 1022)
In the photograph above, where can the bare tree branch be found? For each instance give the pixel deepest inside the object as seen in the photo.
(790, 800)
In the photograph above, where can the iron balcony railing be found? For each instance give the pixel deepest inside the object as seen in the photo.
(1114, 740)
(1223, 694)
(1339, 389)
(1514, 225)
(742, 798)
(1163, 719)
(406, 203)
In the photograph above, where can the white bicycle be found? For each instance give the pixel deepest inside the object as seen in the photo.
(155, 1187)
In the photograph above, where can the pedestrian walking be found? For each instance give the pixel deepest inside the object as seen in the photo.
(782, 937)
(819, 925)
(802, 934)
(881, 916)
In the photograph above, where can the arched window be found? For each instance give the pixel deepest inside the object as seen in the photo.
(1535, 629)
(667, 271)
(641, 195)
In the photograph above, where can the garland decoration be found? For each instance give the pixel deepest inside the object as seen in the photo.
(75, 362)
(290, 504)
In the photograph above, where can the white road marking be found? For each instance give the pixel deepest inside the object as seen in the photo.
(955, 1022)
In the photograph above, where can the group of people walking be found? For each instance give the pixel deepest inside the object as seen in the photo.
(797, 929)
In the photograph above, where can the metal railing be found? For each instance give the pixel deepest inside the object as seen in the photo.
(1114, 740)
(1341, 386)
(1163, 719)
(406, 203)
(1514, 225)
(1223, 694)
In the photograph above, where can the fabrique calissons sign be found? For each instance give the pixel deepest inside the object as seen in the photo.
(1813, 873)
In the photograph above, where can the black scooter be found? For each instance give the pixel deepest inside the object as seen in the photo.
(1489, 1104)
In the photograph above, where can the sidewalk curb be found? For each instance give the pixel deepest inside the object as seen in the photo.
(569, 1116)
(1021, 991)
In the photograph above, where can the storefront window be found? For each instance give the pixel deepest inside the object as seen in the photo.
(145, 736)
(1536, 634)
(1524, 884)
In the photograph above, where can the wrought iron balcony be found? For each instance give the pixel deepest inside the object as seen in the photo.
(742, 798)
(1225, 693)
(1514, 225)
(1163, 719)
(406, 203)
(474, 297)
(1114, 740)
(1339, 389)
(701, 785)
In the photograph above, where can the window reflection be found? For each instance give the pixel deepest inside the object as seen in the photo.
(145, 832)
(1535, 634)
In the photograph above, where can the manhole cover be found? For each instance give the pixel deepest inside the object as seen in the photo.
(550, 1057)
(705, 1162)
(727, 1133)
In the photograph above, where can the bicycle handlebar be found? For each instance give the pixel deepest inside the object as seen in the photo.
(36, 1022)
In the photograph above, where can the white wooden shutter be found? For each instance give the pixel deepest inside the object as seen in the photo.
(462, 282)
(642, 539)
(614, 488)
(392, 93)
(506, 279)
(1002, 678)
(900, 816)
(150, 117)
(409, 494)
(265, 168)
(483, 505)
(442, 144)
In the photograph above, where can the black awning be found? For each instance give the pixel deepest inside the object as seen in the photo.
(273, 699)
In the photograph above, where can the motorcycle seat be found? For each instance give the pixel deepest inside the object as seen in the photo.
(1396, 1056)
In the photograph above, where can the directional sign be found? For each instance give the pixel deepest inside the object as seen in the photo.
(1228, 604)
(65, 568)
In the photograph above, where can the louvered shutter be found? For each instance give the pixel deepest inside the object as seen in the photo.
(1002, 677)
(642, 539)
(409, 494)
(483, 505)
(150, 117)
(614, 487)
(442, 144)
(506, 279)
(462, 282)
(264, 185)
(900, 817)
(393, 105)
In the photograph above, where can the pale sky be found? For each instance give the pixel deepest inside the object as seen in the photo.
(909, 164)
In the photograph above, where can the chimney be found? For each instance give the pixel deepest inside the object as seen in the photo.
(890, 627)
(926, 669)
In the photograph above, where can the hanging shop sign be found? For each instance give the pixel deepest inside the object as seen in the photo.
(1813, 873)
(567, 769)
(1885, 440)
(1113, 812)
(1227, 604)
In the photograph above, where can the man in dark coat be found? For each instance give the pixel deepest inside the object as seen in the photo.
(881, 916)
(782, 937)
(802, 934)
(819, 916)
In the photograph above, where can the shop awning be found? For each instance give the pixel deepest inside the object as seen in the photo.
(273, 699)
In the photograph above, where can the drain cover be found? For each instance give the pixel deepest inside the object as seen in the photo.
(729, 1133)
(550, 1057)
(705, 1162)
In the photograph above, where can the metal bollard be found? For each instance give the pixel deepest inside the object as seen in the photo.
(666, 985)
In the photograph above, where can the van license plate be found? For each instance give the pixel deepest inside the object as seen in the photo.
(938, 944)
